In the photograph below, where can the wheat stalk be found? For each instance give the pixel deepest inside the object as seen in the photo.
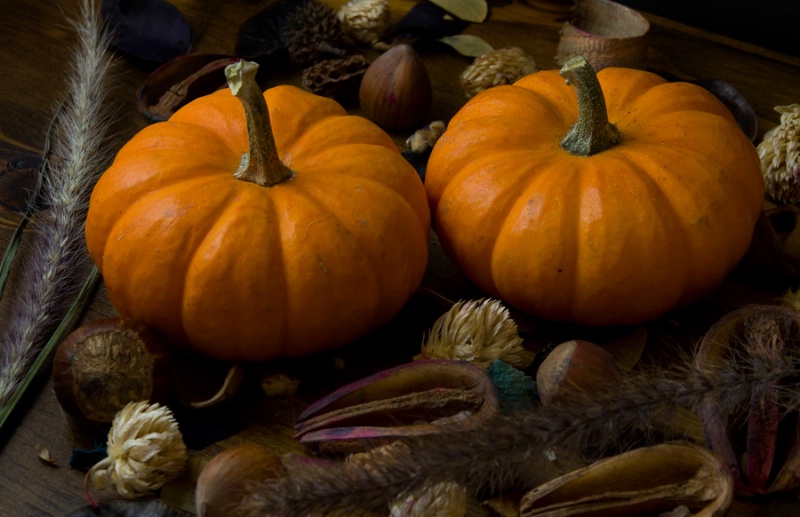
(50, 278)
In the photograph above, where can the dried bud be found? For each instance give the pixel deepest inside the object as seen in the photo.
(496, 67)
(424, 139)
(780, 156)
(313, 33)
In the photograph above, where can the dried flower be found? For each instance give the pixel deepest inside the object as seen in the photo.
(780, 156)
(365, 20)
(479, 331)
(145, 451)
(496, 67)
(424, 139)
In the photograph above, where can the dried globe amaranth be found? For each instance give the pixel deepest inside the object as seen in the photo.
(313, 33)
(365, 21)
(145, 451)
(336, 78)
(479, 331)
(496, 67)
(779, 152)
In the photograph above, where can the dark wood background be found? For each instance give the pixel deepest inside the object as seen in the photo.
(35, 43)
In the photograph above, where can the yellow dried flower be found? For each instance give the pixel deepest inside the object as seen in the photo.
(365, 20)
(145, 451)
(480, 331)
(496, 67)
(780, 156)
(424, 139)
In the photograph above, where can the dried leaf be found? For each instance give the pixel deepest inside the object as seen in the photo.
(467, 44)
(153, 30)
(468, 10)
(426, 20)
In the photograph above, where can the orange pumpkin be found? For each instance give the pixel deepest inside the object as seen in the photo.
(601, 213)
(318, 237)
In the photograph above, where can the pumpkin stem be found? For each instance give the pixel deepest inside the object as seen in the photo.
(261, 165)
(592, 133)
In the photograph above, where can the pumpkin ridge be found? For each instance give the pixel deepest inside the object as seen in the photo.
(206, 264)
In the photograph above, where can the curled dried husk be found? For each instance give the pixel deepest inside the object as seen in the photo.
(779, 152)
(647, 481)
(496, 67)
(758, 437)
(413, 399)
(606, 34)
(180, 81)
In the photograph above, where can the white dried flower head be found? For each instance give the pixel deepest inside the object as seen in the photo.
(365, 20)
(495, 67)
(480, 331)
(779, 152)
(145, 451)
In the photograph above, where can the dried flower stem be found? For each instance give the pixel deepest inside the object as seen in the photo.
(48, 281)
(505, 453)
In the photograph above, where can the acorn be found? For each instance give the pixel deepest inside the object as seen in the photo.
(574, 368)
(396, 91)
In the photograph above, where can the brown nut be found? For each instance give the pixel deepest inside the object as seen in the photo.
(396, 91)
(103, 365)
(574, 367)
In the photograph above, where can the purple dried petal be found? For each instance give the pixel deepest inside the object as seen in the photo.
(427, 20)
(742, 111)
(153, 30)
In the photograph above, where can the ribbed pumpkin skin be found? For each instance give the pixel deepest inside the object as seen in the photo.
(241, 271)
(619, 237)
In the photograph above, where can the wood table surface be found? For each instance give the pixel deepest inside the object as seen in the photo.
(35, 46)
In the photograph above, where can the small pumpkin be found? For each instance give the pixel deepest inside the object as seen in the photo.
(280, 228)
(604, 204)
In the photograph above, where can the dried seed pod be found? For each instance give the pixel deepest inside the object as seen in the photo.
(780, 156)
(647, 481)
(396, 90)
(103, 365)
(365, 20)
(575, 367)
(605, 33)
(313, 33)
(336, 78)
(755, 437)
(225, 478)
(409, 400)
(496, 67)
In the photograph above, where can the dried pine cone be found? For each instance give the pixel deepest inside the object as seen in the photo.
(780, 157)
(314, 33)
(365, 20)
(496, 67)
(336, 78)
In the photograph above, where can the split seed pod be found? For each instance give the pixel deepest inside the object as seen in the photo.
(396, 90)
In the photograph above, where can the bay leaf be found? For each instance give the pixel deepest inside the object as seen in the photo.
(467, 44)
(468, 10)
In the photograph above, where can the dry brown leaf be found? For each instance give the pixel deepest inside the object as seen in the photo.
(467, 44)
